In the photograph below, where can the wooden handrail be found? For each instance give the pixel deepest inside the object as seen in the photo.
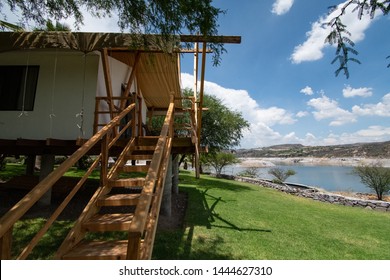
(142, 211)
(27, 250)
(20, 208)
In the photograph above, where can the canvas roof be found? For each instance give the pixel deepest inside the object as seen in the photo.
(158, 72)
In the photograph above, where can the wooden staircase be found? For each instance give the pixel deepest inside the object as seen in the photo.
(125, 204)
(112, 209)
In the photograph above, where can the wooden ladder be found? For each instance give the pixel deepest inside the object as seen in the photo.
(111, 209)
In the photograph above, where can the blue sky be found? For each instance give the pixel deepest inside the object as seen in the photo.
(281, 77)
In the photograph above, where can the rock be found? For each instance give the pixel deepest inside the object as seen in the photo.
(368, 208)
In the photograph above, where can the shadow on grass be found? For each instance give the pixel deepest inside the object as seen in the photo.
(210, 183)
(186, 243)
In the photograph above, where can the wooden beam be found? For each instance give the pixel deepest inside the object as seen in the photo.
(210, 39)
(107, 79)
(130, 80)
(202, 77)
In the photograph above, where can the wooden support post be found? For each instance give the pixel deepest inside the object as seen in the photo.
(6, 245)
(133, 246)
(108, 82)
(139, 116)
(200, 107)
(130, 80)
(104, 161)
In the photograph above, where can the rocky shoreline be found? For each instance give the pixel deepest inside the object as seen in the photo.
(311, 161)
(316, 194)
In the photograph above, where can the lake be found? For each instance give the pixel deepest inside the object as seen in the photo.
(330, 178)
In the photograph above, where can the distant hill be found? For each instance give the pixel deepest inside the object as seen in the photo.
(369, 150)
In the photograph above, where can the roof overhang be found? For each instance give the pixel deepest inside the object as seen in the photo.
(158, 67)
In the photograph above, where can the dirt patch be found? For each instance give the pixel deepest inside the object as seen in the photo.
(176, 220)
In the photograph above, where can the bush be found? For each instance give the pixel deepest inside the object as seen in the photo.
(375, 177)
(280, 174)
(250, 172)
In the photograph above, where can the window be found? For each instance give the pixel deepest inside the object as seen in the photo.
(18, 85)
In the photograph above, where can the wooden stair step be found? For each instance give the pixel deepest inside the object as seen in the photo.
(98, 250)
(145, 148)
(127, 182)
(109, 222)
(135, 168)
(147, 140)
(139, 157)
(118, 200)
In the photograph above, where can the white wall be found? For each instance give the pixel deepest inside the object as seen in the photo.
(64, 102)
(120, 74)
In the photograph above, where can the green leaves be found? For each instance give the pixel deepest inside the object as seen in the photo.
(340, 36)
(164, 17)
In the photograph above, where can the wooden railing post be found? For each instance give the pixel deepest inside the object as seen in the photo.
(104, 160)
(133, 246)
(6, 245)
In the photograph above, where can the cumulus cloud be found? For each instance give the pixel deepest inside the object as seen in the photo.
(348, 92)
(307, 91)
(302, 114)
(381, 109)
(280, 7)
(326, 108)
(261, 119)
(374, 133)
(312, 48)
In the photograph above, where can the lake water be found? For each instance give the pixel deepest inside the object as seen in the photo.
(330, 178)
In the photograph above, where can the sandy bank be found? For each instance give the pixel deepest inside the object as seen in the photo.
(311, 161)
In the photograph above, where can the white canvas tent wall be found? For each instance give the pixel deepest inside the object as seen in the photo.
(157, 77)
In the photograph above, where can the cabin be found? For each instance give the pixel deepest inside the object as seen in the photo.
(78, 94)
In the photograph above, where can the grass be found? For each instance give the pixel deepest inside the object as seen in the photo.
(231, 220)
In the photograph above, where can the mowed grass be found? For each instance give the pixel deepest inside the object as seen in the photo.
(231, 220)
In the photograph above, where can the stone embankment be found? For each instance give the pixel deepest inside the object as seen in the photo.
(316, 194)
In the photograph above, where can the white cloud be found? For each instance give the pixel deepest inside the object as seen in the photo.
(373, 133)
(381, 109)
(307, 91)
(325, 108)
(348, 92)
(280, 7)
(261, 119)
(302, 114)
(312, 48)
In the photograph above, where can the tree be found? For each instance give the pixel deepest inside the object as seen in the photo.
(167, 18)
(250, 172)
(375, 177)
(280, 174)
(219, 160)
(50, 26)
(222, 128)
(339, 34)
(229, 124)
(9, 26)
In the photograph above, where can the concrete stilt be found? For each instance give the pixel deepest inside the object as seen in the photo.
(166, 204)
(175, 174)
(47, 166)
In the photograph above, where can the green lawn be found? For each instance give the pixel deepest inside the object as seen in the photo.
(231, 220)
